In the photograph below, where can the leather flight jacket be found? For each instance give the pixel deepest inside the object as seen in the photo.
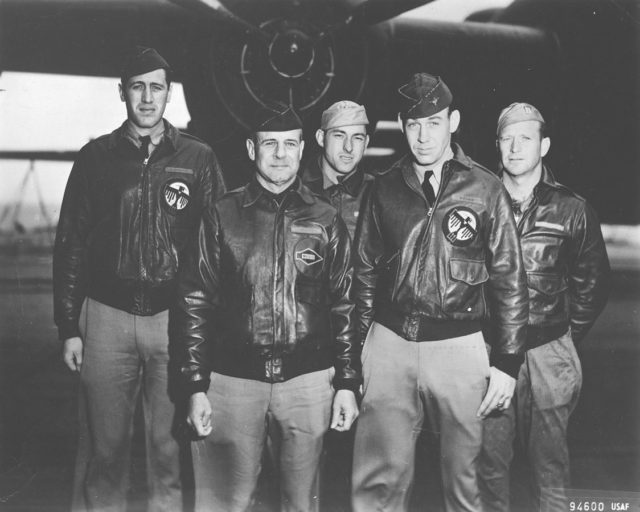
(431, 272)
(346, 197)
(566, 262)
(125, 221)
(266, 293)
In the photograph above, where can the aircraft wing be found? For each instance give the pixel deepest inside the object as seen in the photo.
(89, 37)
(577, 60)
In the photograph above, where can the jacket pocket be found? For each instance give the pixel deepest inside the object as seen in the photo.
(464, 292)
(548, 299)
(388, 280)
(312, 311)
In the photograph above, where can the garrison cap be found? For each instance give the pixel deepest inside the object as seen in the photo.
(276, 117)
(423, 96)
(142, 60)
(343, 113)
(517, 112)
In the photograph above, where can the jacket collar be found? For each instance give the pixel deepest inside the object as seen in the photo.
(253, 191)
(315, 179)
(461, 162)
(120, 136)
(547, 180)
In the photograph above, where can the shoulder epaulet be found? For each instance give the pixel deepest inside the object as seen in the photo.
(234, 191)
(100, 138)
(569, 191)
(193, 138)
(97, 140)
(484, 169)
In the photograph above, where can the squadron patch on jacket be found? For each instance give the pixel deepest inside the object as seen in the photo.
(176, 195)
(460, 226)
(308, 257)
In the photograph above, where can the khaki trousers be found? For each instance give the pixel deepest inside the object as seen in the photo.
(407, 384)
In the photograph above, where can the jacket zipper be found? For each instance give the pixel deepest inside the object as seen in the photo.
(446, 177)
(526, 215)
(144, 228)
(277, 221)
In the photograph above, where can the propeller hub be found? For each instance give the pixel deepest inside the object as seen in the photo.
(291, 53)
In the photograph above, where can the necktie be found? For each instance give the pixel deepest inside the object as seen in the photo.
(144, 147)
(427, 189)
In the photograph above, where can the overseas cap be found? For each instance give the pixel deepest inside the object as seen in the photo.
(343, 113)
(517, 112)
(277, 117)
(142, 60)
(423, 96)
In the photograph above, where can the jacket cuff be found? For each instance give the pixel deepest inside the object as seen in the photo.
(507, 363)
(350, 384)
(197, 386)
(68, 330)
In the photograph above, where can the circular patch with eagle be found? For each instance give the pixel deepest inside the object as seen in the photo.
(460, 226)
(176, 195)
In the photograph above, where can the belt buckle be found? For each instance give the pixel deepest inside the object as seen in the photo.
(273, 368)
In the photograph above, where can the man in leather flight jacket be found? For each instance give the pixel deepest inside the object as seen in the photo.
(133, 199)
(436, 249)
(266, 328)
(335, 173)
(568, 278)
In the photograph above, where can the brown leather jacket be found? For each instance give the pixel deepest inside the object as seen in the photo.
(346, 197)
(266, 293)
(420, 273)
(566, 263)
(124, 223)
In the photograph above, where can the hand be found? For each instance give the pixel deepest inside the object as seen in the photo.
(200, 414)
(499, 392)
(345, 410)
(72, 352)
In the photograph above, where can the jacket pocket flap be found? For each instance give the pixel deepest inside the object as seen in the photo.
(306, 229)
(547, 284)
(181, 170)
(310, 292)
(471, 272)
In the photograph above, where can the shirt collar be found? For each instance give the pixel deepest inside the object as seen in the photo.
(460, 161)
(156, 134)
(169, 134)
(315, 179)
(436, 169)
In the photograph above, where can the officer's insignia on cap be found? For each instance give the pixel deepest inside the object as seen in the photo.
(460, 226)
(308, 257)
(527, 109)
(176, 194)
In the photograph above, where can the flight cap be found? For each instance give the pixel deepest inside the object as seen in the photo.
(517, 112)
(276, 117)
(423, 96)
(343, 113)
(142, 60)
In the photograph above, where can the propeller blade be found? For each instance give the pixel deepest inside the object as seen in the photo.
(216, 10)
(371, 12)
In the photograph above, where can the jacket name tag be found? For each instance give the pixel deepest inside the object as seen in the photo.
(181, 170)
(549, 225)
(306, 230)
